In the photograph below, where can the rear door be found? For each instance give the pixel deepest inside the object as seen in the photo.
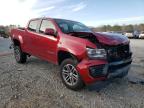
(32, 37)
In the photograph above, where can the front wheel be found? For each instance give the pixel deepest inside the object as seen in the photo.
(20, 56)
(70, 75)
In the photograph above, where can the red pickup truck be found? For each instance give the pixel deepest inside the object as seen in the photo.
(83, 55)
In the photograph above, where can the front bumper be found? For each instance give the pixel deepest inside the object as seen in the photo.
(119, 69)
(104, 71)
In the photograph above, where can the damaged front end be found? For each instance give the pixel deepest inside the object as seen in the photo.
(115, 50)
(119, 58)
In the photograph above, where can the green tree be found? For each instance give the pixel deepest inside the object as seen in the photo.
(141, 27)
(109, 28)
(116, 28)
(129, 28)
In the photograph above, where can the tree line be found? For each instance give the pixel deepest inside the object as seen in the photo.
(5, 30)
(119, 28)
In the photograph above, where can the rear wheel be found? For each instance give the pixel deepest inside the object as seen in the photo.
(70, 75)
(20, 56)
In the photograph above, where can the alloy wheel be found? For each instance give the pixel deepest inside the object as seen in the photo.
(70, 74)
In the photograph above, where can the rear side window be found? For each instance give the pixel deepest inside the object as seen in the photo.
(33, 25)
(46, 24)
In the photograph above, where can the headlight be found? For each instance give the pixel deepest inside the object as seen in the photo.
(96, 53)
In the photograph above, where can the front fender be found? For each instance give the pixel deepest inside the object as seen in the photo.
(79, 53)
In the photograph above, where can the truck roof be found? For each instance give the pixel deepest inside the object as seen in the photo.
(51, 18)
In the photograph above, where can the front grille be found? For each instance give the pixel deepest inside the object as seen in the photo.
(118, 53)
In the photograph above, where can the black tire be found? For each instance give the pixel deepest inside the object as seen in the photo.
(78, 83)
(20, 56)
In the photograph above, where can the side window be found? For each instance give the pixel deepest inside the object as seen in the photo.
(33, 25)
(78, 27)
(64, 27)
(46, 24)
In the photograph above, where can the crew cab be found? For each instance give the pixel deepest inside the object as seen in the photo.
(84, 56)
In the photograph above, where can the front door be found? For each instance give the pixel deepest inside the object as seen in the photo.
(47, 43)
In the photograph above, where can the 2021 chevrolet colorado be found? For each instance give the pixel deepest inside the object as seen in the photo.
(83, 55)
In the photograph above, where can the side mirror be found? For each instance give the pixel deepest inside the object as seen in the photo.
(49, 31)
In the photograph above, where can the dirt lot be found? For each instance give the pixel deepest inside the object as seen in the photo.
(37, 84)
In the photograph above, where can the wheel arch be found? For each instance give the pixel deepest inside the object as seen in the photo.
(62, 55)
(16, 42)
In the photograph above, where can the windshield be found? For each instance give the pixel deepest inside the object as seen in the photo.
(68, 26)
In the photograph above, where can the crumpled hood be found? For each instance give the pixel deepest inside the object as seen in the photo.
(111, 38)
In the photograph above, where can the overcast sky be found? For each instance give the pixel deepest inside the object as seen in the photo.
(90, 12)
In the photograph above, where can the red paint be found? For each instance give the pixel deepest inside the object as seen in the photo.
(47, 47)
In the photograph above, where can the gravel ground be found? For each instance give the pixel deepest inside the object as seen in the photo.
(37, 84)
